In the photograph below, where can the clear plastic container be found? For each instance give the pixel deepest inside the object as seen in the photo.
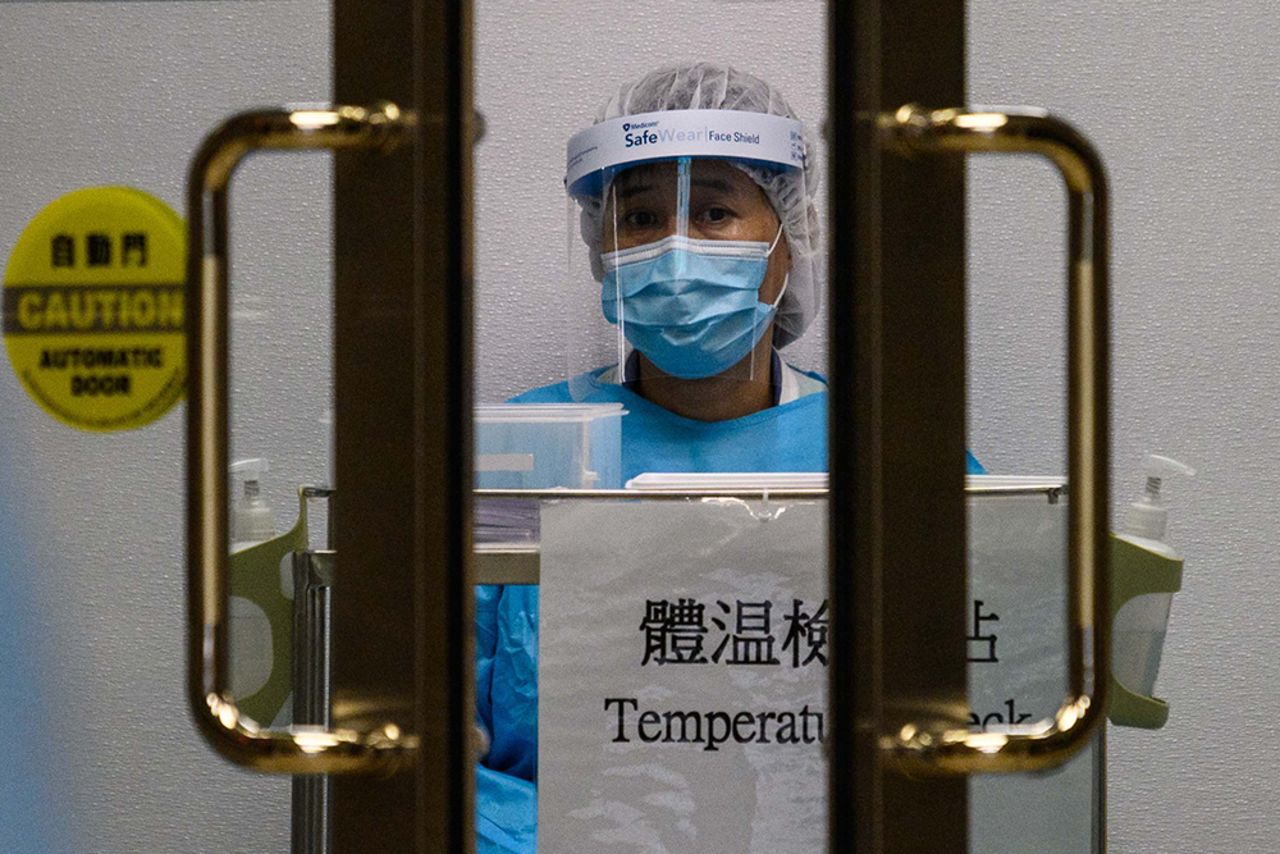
(544, 446)
(540, 446)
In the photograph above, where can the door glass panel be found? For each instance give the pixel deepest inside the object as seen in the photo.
(1017, 372)
(281, 378)
(662, 687)
(1190, 330)
(103, 755)
(1018, 671)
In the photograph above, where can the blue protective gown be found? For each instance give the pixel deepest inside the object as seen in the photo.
(789, 437)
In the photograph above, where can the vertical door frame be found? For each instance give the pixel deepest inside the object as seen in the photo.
(402, 601)
(897, 316)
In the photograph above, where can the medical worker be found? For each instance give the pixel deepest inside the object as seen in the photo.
(696, 186)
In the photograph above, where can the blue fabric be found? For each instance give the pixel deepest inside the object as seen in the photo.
(775, 377)
(789, 437)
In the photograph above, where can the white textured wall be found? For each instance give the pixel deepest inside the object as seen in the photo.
(101, 93)
(1183, 100)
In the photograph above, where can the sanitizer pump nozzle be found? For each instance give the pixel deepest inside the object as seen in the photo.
(251, 518)
(1148, 517)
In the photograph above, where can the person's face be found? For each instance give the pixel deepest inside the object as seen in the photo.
(724, 204)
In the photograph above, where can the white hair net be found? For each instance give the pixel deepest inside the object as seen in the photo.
(713, 86)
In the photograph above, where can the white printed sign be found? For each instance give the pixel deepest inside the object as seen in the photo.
(683, 677)
(1017, 635)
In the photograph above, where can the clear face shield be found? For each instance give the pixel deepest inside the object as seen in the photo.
(688, 249)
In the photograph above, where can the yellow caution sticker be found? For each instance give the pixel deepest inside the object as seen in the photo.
(94, 311)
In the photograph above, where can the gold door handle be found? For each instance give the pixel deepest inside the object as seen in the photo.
(925, 748)
(299, 749)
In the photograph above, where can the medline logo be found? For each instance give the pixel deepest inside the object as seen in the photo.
(648, 135)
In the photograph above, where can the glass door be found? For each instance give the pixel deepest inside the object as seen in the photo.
(329, 330)
(104, 105)
(651, 209)
(601, 685)
(1192, 323)
(623, 383)
(378, 726)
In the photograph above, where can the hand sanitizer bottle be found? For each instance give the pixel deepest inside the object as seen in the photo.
(250, 636)
(251, 518)
(1141, 623)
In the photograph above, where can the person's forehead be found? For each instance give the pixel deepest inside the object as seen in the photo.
(716, 174)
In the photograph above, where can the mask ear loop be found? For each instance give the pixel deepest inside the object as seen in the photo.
(773, 307)
(786, 280)
(776, 238)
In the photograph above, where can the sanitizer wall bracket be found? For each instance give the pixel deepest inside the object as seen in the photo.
(254, 574)
(1138, 572)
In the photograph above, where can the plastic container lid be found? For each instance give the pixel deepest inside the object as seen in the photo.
(513, 413)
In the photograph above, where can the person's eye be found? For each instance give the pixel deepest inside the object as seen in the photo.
(716, 215)
(640, 219)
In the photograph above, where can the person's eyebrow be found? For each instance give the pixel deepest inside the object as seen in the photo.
(632, 190)
(719, 184)
(714, 184)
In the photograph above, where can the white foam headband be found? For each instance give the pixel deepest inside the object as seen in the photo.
(605, 148)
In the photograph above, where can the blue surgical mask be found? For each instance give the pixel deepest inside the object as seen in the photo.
(691, 306)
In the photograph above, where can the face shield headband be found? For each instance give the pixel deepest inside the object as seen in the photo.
(598, 153)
